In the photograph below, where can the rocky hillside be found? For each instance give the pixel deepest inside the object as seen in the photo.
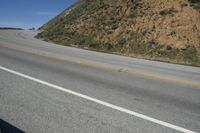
(167, 30)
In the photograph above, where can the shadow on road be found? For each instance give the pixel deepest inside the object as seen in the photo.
(8, 128)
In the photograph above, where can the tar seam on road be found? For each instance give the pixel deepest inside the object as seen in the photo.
(121, 109)
(102, 66)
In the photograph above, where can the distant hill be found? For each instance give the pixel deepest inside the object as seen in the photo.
(166, 30)
(10, 28)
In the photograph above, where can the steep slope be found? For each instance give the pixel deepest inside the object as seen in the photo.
(167, 30)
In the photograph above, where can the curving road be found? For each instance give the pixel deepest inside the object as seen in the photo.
(51, 88)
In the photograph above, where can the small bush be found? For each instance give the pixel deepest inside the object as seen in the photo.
(195, 3)
(107, 47)
(132, 14)
(136, 45)
(190, 54)
(115, 26)
(168, 52)
(168, 11)
(120, 43)
(136, 4)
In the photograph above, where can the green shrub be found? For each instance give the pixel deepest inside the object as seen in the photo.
(132, 14)
(195, 3)
(168, 52)
(115, 26)
(136, 4)
(168, 11)
(190, 54)
(136, 45)
(120, 43)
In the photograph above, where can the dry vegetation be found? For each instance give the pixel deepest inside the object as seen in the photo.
(167, 30)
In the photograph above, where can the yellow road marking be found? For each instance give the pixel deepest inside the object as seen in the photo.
(107, 67)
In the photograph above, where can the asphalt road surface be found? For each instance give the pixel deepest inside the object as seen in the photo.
(48, 88)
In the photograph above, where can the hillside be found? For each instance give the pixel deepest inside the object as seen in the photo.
(166, 30)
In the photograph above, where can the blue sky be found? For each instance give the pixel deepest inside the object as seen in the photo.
(30, 13)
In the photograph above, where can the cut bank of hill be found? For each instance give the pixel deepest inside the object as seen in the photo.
(166, 30)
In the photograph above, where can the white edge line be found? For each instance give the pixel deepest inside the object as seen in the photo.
(121, 109)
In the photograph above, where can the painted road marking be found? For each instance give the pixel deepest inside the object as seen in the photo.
(101, 66)
(121, 109)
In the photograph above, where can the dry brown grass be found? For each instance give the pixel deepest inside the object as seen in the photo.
(161, 29)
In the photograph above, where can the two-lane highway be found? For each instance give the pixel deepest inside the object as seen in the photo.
(51, 88)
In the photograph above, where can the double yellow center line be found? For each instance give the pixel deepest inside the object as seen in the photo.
(98, 65)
